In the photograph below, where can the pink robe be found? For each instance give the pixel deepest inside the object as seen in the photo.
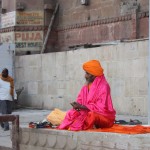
(97, 99)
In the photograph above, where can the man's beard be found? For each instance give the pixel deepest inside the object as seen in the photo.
(89, 80)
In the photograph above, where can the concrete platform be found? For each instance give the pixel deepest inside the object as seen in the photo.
(48, 139)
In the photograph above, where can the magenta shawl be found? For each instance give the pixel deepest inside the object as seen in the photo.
(97, 99)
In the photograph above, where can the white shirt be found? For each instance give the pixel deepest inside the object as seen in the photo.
(5, 91)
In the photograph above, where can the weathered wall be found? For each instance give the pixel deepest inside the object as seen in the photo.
(77, 24)
(9, 5)
(24, 23)
(99, 21)
(72, 12)
(54, 79)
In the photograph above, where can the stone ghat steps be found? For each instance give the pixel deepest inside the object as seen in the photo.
(51, 139)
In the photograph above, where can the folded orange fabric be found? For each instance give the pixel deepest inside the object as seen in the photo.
(137, 129)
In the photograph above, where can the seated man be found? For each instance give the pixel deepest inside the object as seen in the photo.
(93, 107)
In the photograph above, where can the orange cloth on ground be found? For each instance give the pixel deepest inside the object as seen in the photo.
(93, 67)
(56, 116)
(104, 124)
(131, 129)
(9, 79)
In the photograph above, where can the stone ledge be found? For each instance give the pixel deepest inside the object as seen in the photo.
(69, 140)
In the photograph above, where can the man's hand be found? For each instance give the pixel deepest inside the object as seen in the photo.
(78, 106)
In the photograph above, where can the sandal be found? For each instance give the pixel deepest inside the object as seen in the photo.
(134, 122)
(120, 122)
(40, 125)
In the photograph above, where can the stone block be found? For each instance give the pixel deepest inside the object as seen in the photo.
(37, 101)
(117, 87)
(139, 68)
(48, 73)
(23, 147)
(121, 145)
(120, 53)
(32, 74)
(43, 88)
(115, 52)
(71, 144)
(52, 87)
(61, 85)
(85, 147)
(141, 86)
(109, 145)
(129, 87)
(120, 69)
(94, 55)
(97, 144)
(69, 72)
(24, 137)
(110, 68)
(70, 89)
(19, 74)
(33, 138)
(42, 140)
(48, 102)
(128, 65)
(61, 59)
(123, 105)
(18, 61)
(59, 103)
(96, 148)
(60, 93)
(143, 48)
(60, 72)
(33, 88)
(131, 51)
(51, 140)
(61, 142)
(138, 110)
(32, 61)
(48, 66)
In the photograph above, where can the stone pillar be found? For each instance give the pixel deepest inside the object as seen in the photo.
(134, 16)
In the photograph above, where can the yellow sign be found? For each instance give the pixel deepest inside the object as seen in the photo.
(30, 18)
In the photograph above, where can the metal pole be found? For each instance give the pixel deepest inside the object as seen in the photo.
(149, 71)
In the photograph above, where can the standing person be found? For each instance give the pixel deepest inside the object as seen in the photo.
(93, 107)
(7, 94)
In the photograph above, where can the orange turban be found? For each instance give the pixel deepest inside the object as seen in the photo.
(93, 67)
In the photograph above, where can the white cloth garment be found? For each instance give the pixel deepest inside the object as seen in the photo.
(5, 91)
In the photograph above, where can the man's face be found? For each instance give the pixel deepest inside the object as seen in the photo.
(5, 73)
(89, 78)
